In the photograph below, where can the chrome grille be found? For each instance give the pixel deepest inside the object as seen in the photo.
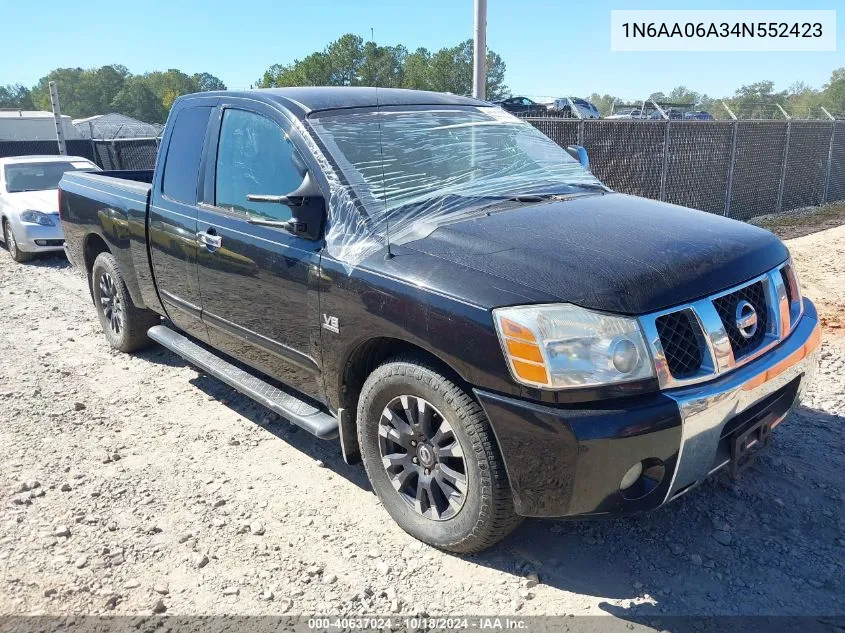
(726, 306)
(698, 341)
(681, 341)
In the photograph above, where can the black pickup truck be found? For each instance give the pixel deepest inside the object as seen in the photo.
(452, 296)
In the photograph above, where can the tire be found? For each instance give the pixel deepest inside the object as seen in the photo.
(479, 516)
(12, 245)
(124, 325)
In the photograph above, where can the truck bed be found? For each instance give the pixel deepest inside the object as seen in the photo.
(138, 175)
(110, 206)
(137, 182)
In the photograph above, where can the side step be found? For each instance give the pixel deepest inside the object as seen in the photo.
(301, 413)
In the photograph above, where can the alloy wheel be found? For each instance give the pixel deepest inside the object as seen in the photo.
(423, 457)
(111, 303)
(11, 243)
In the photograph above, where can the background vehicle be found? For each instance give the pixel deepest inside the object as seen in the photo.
(29, 208)
(672, 113)
(525, 343)
(522, 105)
(575, 107)
(627, 114)
(698, 115)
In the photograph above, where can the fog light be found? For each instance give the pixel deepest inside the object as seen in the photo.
(625, 356)
(631, 476)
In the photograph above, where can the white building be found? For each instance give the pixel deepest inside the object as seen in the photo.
(33, 125)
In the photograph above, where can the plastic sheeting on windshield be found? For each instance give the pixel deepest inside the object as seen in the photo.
(409, 170)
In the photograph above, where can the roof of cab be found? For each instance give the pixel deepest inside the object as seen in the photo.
(301, 101)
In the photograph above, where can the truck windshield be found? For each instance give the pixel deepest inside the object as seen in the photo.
(425, 163)
(41, 176)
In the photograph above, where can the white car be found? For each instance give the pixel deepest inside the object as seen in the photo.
(29, 206)
(628, 114)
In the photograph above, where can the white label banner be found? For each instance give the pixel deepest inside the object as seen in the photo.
(722, 30)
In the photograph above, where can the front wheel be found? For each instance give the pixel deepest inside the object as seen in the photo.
(12, 244)
(432, 459)
(124, 324)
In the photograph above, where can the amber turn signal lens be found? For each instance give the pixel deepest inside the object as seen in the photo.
(515, 330)
(530, 373)
(525, 351)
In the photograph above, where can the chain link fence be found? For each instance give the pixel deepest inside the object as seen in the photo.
(757, 169)
(122, 153)
(741, 169)
(46, 148)
(127, 153)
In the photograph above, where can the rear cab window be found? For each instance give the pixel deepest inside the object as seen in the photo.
(184, 154)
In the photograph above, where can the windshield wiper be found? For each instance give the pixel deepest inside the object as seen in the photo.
(503, 202)
(551, 195)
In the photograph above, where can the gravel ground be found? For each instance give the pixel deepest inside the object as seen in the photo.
(136, 485)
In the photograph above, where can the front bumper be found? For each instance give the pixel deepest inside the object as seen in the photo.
(569, 461)
(37, 238)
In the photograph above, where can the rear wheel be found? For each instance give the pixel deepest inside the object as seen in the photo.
(432, 459)
(124, 324)
(12, 244)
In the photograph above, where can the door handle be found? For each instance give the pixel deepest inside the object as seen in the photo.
(209, 240)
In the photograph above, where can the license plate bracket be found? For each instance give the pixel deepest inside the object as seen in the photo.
(746, 445)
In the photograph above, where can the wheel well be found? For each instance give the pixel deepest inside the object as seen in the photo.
(94, 245)
(372, 353)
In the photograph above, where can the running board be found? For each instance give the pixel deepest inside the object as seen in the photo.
(297, 411)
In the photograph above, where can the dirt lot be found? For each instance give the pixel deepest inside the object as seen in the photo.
(820, 257)
(133, 485)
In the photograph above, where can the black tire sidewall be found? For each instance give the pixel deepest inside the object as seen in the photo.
(448, 532)
(105, 263)
(17, 254)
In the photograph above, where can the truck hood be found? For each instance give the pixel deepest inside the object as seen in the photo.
(610, 252)
(46, 201)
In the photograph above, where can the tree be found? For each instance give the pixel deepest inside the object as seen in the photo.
(112, 88)
(206, 81)
(349, 61)
(604, 102)
(450, 70)
(382, 65)
(682, 94)
(138, 101)
(16, 96)
(713, 106)
(833, 93)
(415, 70)
(311, 71)
(757, 101)
(169, 85)
(82, 92)
(496, 88)
(803, 100)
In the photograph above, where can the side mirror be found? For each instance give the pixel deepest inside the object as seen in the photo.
(307, 203)
(580, 154)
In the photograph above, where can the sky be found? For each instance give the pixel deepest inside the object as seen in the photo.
(551, 47)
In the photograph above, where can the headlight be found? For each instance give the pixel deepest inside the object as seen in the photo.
(793, 279)
(560, 346)
(36, 217)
